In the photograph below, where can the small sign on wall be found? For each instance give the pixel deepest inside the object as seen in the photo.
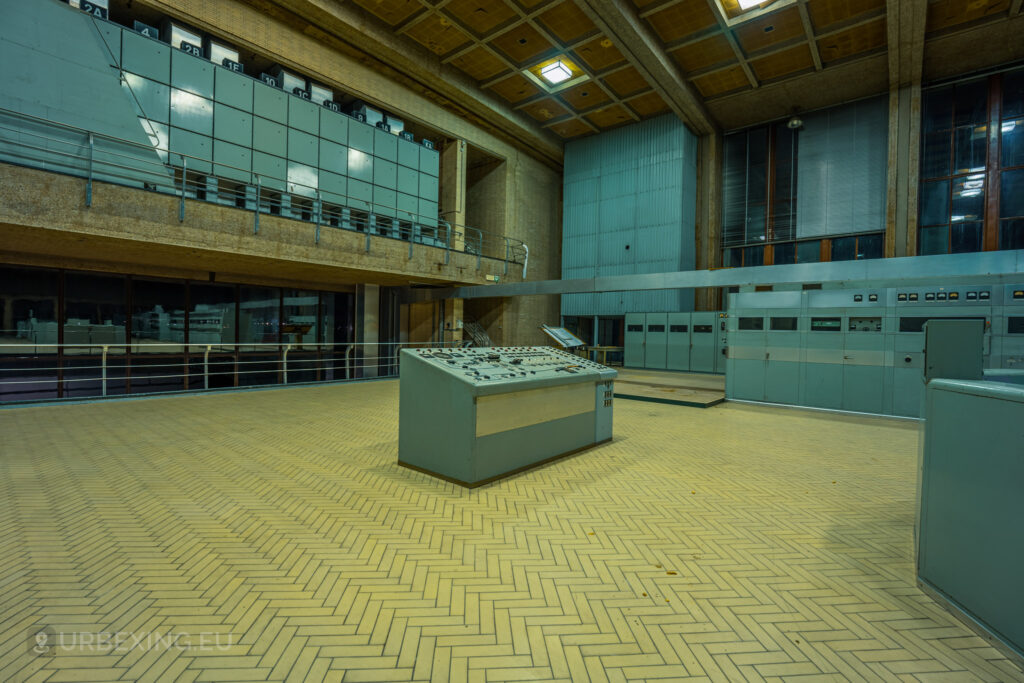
(189, 48)
(146, 30)
(96, 9)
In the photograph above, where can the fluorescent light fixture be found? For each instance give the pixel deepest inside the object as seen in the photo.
(747, 4)
(556, 73)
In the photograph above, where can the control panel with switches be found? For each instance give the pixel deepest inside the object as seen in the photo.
(473, 415)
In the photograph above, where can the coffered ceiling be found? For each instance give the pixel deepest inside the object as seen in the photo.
(717, 49)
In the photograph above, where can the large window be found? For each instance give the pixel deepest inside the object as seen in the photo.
(972, 166)
(83, 334)
(800, 195)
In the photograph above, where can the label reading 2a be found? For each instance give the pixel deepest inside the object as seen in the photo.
(189, 48)
(93, 9)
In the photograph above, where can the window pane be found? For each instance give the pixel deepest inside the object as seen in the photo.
(734, 188)
(969, 198)
(732, 258)
(212, 318)
(970, 149)
(299, 328)
(869, 246)
(971, 102)
(935, 154)
(1011, 197)
(964, 237)
(844, 248)
(158, 333)
(158, 316)
(95, 316)
(755, 223)
(933, 240)
(1011, 233)
(1013, 93)
(785, 254)
(258, 315)
(28, 316)
(808, 252)
(753, 256)
(1013, 142)
(937, 110)
(935, 203)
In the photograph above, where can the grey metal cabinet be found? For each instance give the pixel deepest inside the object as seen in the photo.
(677, 356)
(745, 365)
(703, 341)
(656, 341)
(782, 356)
(633, 353)
(864, 369)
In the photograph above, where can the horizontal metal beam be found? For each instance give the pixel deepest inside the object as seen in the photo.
(999, 266)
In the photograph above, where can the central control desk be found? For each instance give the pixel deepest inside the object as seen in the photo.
(473, 415)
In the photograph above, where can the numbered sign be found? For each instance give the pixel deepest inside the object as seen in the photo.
(191, 49)
(270, 80)
(96, 9)
(146, 30)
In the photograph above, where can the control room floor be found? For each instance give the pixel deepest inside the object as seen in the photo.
(738, 542)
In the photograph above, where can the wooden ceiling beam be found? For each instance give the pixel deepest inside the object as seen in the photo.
(812, 42)
(716, 9)
(643, 50)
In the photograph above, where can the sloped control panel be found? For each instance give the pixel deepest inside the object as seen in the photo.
(474, 415)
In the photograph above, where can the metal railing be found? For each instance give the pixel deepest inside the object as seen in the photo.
(31, 372)
(61, 148)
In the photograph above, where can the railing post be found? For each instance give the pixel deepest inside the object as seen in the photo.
(318, 209)
(284, 362)
(104, 371)
(447, 242)
(88, 182)
(184, 181)
(506, 255)
(348, 352)
(256, 220)
(206, 368)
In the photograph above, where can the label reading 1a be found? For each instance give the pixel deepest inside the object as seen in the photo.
(191, 49)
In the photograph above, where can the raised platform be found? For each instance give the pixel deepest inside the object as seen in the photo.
(693, 389)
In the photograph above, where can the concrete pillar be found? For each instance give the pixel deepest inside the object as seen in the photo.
(709, 215)
(904, 165)
(368, 326)
(453, 189)
(453, 317)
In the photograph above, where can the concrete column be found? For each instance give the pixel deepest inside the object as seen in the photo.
(453, 317)
(368, 322)
(904, 166)
(453, 188)
(709, 215)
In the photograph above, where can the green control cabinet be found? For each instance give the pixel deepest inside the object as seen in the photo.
(471, 416)
(970, 540)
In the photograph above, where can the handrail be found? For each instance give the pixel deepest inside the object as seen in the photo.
(245, 363)
(119, 167)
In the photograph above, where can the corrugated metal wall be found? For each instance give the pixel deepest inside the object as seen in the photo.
(630, 207)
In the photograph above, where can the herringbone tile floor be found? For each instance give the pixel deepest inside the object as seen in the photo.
(271, 536)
